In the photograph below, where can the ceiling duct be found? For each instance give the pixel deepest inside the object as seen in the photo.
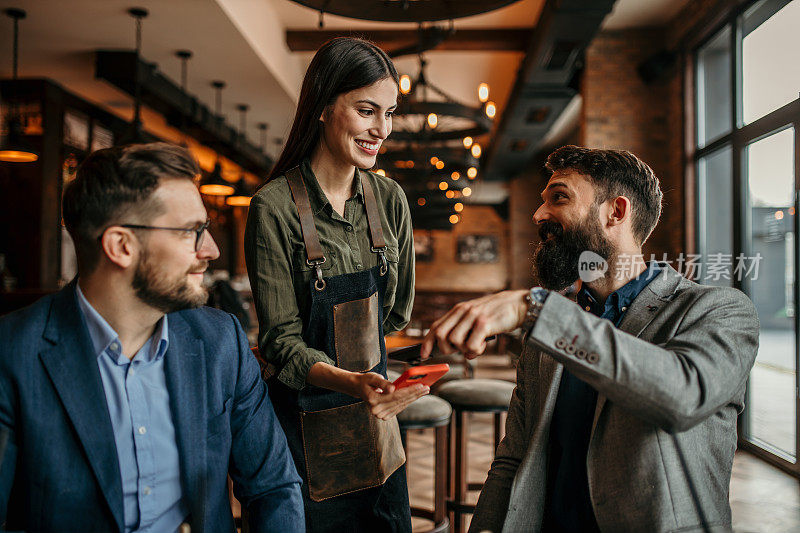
(545, 83)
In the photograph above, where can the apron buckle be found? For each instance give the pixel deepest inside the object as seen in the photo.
(382, 256)
(319, 283)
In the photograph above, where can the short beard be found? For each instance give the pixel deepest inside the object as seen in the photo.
(555, 261)
(155, 289)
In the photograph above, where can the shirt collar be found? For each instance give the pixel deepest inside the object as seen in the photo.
(316, 196)
(625, 295)
(104, 338)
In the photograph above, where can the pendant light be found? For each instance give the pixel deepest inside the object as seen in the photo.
(241, 193)
(428, 120)
(135, 134)
(184, 56)
(262, 127)
(214, 184)
(242, 108)
(14, 148)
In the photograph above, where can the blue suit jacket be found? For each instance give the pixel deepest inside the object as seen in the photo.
(59, 470)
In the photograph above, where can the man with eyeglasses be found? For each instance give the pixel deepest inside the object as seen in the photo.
(124, 404)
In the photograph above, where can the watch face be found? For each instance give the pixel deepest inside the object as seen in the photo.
(538, 294)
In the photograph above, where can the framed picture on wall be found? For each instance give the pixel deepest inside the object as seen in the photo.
(477, 249)
(423, 246)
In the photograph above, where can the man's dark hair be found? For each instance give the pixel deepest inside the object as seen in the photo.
(114, 186)
(616, 173)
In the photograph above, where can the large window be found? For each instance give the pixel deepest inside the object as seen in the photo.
(747, 83)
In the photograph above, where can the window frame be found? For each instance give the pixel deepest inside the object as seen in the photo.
(738, 139)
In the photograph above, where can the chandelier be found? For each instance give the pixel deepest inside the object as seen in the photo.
(423, 119)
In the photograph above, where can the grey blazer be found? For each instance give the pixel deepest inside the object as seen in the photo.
(677, 365)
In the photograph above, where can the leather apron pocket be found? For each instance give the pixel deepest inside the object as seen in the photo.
(348, 449)
(358, 347)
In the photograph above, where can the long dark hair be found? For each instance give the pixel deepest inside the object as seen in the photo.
(341, 65)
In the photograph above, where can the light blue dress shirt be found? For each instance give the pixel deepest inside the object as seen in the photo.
(138, 402)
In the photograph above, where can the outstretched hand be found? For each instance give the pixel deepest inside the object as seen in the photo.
(466, 326)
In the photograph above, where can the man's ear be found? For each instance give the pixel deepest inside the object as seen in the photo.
(620, 210)
(120, 246)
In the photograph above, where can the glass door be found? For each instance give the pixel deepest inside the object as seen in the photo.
(771, 243)
(746, 154)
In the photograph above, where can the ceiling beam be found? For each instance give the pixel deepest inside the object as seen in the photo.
(462, 40)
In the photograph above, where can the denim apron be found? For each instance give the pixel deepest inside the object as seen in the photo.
(351, 462)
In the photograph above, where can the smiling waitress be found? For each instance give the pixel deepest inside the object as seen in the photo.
(330, 256)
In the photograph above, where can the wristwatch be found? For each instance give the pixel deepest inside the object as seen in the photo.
(535, 298)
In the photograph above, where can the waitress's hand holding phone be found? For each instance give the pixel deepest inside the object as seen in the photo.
(384, 398)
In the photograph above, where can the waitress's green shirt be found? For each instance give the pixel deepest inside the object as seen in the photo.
(279, 276)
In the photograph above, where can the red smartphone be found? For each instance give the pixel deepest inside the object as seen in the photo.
(426, 374)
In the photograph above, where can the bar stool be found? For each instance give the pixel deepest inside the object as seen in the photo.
(430, 412)
(470, 396)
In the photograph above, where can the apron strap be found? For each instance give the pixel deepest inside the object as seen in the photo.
(314, 255)
(374, 222)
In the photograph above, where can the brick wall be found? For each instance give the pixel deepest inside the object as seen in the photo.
(523, 201)
(621, 111)
(443, 273)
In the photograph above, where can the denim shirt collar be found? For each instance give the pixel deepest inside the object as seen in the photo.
(618, 301)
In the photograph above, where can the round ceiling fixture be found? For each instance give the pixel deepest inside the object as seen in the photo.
(404, 10)
(421, 119)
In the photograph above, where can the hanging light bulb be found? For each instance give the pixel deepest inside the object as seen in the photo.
(476, 150)
(455, 176)
(214, 184)
(450, 195)
(241, 194)
(454, 219)
(439, 165)
(443, 186)
(14, 148)
(434, 160)
(405, 84)
(483, 92)
(466, 191)
(458, 207)
(421, 202)
(467, 142)
(380, 172)
(433, 120)
(472, 173)
(491, 109)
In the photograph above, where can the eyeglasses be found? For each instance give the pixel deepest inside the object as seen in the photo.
(199, 231)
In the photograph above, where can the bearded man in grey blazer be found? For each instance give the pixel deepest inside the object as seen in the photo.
(624, 415)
